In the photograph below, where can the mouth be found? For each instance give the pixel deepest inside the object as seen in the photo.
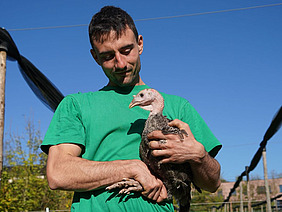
(122, 72)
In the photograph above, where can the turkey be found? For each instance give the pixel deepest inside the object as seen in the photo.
(176, 177)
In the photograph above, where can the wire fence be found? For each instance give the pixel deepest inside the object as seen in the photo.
(273, 128)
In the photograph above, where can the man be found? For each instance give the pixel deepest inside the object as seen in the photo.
(93, 139)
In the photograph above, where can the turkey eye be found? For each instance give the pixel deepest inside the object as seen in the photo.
(141, 94)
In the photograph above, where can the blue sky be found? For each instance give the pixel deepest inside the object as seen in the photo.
(228, 65)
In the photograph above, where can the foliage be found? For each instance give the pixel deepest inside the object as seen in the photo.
(204, 199)
(23, 185)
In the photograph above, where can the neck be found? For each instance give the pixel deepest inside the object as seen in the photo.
(158, 106)
(136, 81)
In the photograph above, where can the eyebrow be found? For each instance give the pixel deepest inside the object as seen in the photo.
(129, 46)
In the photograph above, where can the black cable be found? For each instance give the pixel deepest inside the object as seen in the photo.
(272, 129)
(42, 87)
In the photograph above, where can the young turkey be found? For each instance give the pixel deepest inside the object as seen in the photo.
(176, 177)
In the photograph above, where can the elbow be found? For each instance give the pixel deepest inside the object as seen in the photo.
(215, 187)
(55, 176)
(217, 181)
(53, 183)
(55, 170)
(53, 179)
(214, 180)
(211, 187)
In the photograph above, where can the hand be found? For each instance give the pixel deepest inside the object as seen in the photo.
(175, 149)
(153, 188)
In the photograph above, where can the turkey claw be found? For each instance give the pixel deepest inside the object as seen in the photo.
(127, 186)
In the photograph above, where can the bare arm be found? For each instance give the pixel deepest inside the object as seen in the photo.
(67, 171)
(206, 170)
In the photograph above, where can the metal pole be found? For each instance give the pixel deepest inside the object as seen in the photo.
(3, 57)
(248, 189)
(268, 202)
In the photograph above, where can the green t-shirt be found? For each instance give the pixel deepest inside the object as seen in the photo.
(102, 123)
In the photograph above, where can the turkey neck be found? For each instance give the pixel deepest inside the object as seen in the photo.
(157, 105)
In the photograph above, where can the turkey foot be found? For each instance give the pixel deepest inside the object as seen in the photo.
(127, 186)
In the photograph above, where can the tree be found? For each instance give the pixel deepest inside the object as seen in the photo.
(23, 184)
(204, 199)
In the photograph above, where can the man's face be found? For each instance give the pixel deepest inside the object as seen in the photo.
(120, 58)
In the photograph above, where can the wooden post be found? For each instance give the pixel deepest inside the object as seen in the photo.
(3, 57)
(268, 202)
(248, 189)
(241, 197)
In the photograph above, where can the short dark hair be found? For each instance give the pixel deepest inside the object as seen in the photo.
(107, 19)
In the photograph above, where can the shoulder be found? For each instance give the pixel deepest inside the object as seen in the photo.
(82, 98)
(175, 101)
(80, 95)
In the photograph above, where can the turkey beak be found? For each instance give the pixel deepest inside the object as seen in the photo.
(132, 104)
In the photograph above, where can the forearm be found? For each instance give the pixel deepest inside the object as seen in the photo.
(205, 169)
(68, 172)
(206, 173)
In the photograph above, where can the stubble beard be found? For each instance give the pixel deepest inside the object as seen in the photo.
(129, 79)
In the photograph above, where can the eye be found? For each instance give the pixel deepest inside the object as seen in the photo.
(126, 51)
(108, 57)
(141, 94)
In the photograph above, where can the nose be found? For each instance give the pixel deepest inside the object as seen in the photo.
(120, 62)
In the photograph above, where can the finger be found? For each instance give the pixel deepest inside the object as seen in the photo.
(154, 195)
(160, 153)
(146, 193)
(163, 195)
(156, 135)
(165, 160)
(157, 195)
(153, 189)
(162, 144)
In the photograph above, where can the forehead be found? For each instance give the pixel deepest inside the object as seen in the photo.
(110, 41)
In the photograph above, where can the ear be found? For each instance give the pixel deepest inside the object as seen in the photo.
(140, 44)
(95, 56)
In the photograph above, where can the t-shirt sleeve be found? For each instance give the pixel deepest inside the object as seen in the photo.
(66, 125)
(200, 130)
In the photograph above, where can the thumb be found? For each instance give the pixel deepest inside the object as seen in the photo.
(180, 125)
